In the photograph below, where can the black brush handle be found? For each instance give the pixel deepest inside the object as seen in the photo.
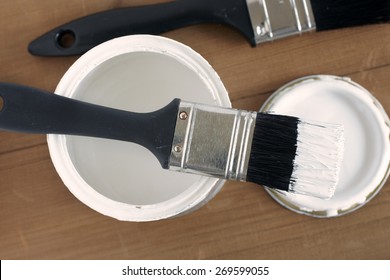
(80, 35)
(30, 110)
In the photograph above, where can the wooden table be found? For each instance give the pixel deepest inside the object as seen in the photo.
(41, 219)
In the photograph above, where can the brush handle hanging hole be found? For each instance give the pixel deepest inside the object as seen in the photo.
(65, 39)
(1, 103)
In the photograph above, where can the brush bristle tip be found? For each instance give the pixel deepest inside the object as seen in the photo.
(320, 149)
(297, 156)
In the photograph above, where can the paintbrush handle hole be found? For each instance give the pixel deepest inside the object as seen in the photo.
(66, 39)
(1, 103)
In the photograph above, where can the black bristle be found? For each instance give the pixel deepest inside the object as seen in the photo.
(332, 14)
(273, 150)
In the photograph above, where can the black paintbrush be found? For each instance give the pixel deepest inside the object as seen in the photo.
(281, 152)
(258, 20)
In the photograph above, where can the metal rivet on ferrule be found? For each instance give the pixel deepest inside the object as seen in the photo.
(261, 29)
(177, 148)
(183, 115)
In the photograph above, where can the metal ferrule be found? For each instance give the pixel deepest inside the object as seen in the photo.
(275, 19)
(213, 141)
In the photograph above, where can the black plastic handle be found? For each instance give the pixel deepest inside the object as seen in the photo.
(30, 110)
(80, 35)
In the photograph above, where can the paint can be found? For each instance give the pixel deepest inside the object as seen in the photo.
(122, 180)
(366, 162)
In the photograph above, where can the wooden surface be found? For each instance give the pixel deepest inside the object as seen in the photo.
(41, 219)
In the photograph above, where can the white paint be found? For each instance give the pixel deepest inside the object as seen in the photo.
(123, 180)
(320, 150)
(365, 166)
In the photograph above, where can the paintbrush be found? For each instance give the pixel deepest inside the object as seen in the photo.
(282, 152)
(258, 20)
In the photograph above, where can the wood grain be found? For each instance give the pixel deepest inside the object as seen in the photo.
(40, 219)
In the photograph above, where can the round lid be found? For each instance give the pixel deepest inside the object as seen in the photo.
(365, 165)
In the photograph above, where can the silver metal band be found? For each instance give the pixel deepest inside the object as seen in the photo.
(275, 19)
(214, 141)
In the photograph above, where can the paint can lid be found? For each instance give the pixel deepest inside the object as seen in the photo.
(365, 166)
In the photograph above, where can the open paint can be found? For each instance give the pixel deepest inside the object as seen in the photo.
(123, 180)
(366, 161)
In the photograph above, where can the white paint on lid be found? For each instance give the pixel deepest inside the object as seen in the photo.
(365, 166)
